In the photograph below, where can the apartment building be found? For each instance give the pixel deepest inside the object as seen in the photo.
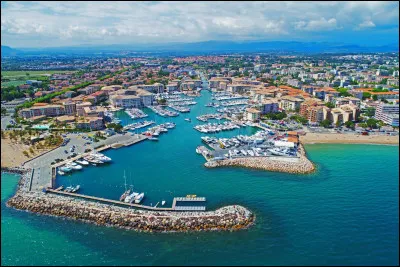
(290, 103)
(42, 110)
(269, 106)
(92, 123)
(388, 113)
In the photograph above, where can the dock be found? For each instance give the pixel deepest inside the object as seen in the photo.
(140, 206)
(188, 208)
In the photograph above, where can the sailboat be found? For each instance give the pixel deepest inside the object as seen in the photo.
(127, 191)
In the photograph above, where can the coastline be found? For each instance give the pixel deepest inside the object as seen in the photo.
(333, 138)
(300, 165)
(228, 218)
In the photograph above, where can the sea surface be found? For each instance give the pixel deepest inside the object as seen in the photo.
(346, 213)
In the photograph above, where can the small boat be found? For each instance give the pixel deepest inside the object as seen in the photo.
(76, 188)
(139, 198)
(69, 189)
(66, 169)
(153, 138)
(61, 172)
(188, 119)
(76, 167)
(162, 203)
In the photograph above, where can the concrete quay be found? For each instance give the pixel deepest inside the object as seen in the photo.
(44, 174)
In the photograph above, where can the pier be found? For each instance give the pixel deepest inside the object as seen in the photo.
(140, 206)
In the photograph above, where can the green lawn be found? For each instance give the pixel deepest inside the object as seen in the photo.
(22, 73)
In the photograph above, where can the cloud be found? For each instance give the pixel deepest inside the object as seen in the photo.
(366, 24)
(317, 25)
(71, 23)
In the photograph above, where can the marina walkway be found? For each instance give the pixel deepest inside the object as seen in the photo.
(111, 201)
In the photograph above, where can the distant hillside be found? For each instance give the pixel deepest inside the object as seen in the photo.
(204, 47)
(8, 51)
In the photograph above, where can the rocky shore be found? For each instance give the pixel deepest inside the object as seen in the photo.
(300, 165)
(227, 218)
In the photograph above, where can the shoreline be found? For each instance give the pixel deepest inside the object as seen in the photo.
(300, 165)
(227, 218)
(334, 138)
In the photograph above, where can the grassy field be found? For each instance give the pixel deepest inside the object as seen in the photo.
(15, 83)
(22, 73)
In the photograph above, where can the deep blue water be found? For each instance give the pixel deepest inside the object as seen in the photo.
(347, 213)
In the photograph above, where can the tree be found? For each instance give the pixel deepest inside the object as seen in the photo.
(375, 97)
(349, 124)
(372, 123)
(366, 95)
(370, 112)
(325, 123)
(330, 105)
(380, 124)
(363, 125)
(338, 123)
(3, 111)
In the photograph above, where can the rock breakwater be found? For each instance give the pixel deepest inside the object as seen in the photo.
(227, 218)
(300, 165)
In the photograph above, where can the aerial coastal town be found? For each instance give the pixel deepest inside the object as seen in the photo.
(59, 114)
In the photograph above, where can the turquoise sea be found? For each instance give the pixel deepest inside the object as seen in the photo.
(347, 213)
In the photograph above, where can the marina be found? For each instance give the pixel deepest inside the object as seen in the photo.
(163, 112)
(138, 125)
(135, 113)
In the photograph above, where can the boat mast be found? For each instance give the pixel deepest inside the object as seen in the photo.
(125, 180)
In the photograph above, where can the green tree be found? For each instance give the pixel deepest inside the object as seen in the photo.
(330, 105)
(325, 123)
(372, 123)
(349, 124)
(3, 111)
(370, 111)
(366, 95)
(375, 97)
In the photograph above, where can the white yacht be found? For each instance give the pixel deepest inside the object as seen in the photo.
(139, 198)
(82, 162)
(130, 198)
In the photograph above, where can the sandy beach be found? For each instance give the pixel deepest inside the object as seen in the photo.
(317, 138)
(11, 153)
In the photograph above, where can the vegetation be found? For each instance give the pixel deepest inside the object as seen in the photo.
(369, 112)
(330, 105)
(325, 123)
(276, 116)
(116, 126)
(3, 111)
(349, 124)
(299, 119)
(366, 95)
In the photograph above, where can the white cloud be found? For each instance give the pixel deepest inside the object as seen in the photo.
(366, 24)
(317, 25)
(67, 23)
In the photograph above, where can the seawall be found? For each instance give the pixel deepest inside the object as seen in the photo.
(300, 165)
(226, 218)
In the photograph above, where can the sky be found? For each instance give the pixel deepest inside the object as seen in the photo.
(56, 24)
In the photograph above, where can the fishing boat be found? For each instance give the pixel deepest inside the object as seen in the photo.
(139, 198)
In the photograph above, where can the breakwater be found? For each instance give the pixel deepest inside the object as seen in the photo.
(299, 164)
(226, 218)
